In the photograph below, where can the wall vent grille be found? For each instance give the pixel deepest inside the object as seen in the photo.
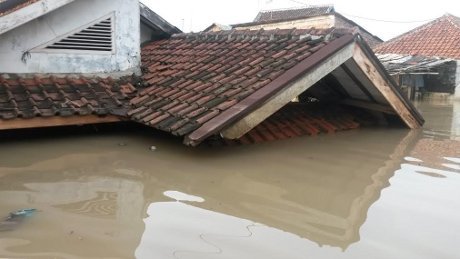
(97, 37)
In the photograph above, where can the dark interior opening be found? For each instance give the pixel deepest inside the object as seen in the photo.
(343, 100)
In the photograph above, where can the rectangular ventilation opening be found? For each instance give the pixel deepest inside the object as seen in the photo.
(97, 37)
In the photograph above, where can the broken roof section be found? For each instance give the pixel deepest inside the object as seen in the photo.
(227, 83)
(439, 38)
(287, 14)
(407, 64)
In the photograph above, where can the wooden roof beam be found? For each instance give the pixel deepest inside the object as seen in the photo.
(290, 92)
(56, 121)
(385, 88)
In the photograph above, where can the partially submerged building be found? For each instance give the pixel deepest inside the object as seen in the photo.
(228, 83)
(420, 74)
(319, 17)
(56, 58)
(242, 85)
(76, 37)
(426, 59)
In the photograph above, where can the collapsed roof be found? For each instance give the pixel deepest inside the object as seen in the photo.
(225, 84)
(408, 64)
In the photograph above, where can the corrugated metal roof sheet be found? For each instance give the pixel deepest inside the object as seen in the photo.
(407, 64)
(293, 13)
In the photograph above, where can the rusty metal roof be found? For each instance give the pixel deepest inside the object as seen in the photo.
(408, 64)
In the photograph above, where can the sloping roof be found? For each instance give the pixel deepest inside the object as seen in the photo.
(156, 22)
(297, 119)
(199, 84)
(194, 78)
(46, 97)
(293, 13)
(407, 64)
(9, 6)
(440, 38)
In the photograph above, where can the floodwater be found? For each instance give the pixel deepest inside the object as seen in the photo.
(369, 193)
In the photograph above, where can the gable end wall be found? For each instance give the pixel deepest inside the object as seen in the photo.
(19, 53)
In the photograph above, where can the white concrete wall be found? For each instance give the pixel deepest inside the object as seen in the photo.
(125, 58)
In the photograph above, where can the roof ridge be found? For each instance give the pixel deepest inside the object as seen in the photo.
(416, 30)
(262, 33)
(297, 8)
(452, 19)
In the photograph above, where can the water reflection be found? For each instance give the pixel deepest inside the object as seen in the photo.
(286, 199)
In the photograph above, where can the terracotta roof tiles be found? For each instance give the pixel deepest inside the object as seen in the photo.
(440, 38)
(27, 98)
(193, 78)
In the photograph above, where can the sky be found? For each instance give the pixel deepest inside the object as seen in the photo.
(384, 18)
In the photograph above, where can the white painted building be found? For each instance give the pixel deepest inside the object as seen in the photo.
(76, 36)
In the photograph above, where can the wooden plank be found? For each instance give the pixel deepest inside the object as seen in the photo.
(43, 122)
(357, 82)
(290, 92)
(369, 106)
(383, 85)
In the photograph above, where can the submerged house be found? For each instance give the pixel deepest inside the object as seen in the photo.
(426, 59)
(315, 16)
(242, 85)
(76, 37)
(52, 52)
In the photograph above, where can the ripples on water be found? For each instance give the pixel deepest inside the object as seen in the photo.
(370, 193)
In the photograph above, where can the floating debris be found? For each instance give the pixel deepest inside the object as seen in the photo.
(153, 148)
(15, 218)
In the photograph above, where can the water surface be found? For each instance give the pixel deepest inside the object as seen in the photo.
(369, 193)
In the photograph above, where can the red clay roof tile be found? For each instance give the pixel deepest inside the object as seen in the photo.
(440, 38)
(50, 96)
(212, 72)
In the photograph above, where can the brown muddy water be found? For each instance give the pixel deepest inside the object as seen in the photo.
(369, 193)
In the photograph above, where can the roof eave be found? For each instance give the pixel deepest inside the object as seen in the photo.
(29, 13)
(156, 22)
(391, 82)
